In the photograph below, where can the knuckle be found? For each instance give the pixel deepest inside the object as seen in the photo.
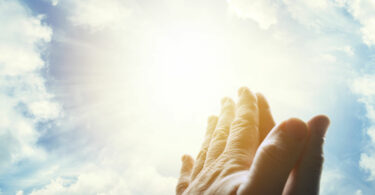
(244, 125)
(215, 151)
(202, 154)
(246, 116)
(247, 102)
(206, 141)
(220, 134)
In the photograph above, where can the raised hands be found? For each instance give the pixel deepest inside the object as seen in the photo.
(245, 153)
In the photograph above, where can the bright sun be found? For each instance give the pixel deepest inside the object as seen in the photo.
(186, 60)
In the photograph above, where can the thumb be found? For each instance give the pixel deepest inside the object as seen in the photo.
(305, 177)
(186, 169)
(275, 158)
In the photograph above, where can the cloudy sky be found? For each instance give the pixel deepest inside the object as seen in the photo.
(103, 97)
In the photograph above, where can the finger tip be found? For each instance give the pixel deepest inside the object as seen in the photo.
(246, 95)
(262, 100)
(320, 119)
(245, 91)
(319, 123)
(183, 158)
(226, 101)
(241, 90)
(186, 158)
(296, 128)
(259, 95)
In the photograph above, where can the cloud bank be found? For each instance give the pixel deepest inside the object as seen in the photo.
(24, 98)
(364, 86)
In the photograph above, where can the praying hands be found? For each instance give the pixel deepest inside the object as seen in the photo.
(244, 152)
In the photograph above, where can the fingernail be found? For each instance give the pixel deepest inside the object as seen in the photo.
(295, 128)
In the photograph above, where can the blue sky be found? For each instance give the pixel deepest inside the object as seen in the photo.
(105, 96)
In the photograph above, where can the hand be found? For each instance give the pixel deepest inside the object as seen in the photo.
(232, 160)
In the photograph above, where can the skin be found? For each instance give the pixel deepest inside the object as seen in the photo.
(244, 152)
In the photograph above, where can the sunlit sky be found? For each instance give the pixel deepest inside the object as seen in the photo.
(103, 97)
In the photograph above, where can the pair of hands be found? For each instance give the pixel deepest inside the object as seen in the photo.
(245, 153)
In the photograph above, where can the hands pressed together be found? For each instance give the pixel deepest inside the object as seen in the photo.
(244, 152)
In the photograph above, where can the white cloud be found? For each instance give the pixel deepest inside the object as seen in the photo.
(22, 87)
(97, 14)
(316, 14)
(364, 12)
(96, 182)
(367, 162)
(19, 192)
(94, 179)
(264, 12)
(54, 2)
(45, 109)
(311, 13)
(330, 181)
(20, 34)
(333, 181)
(364, 86)
(348, 50)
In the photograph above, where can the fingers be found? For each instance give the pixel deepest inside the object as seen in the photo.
(266, 122)
(305, 178)
(244, 133)
(275, 158)
(220, 134)
(211, 125)
(186, 168)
